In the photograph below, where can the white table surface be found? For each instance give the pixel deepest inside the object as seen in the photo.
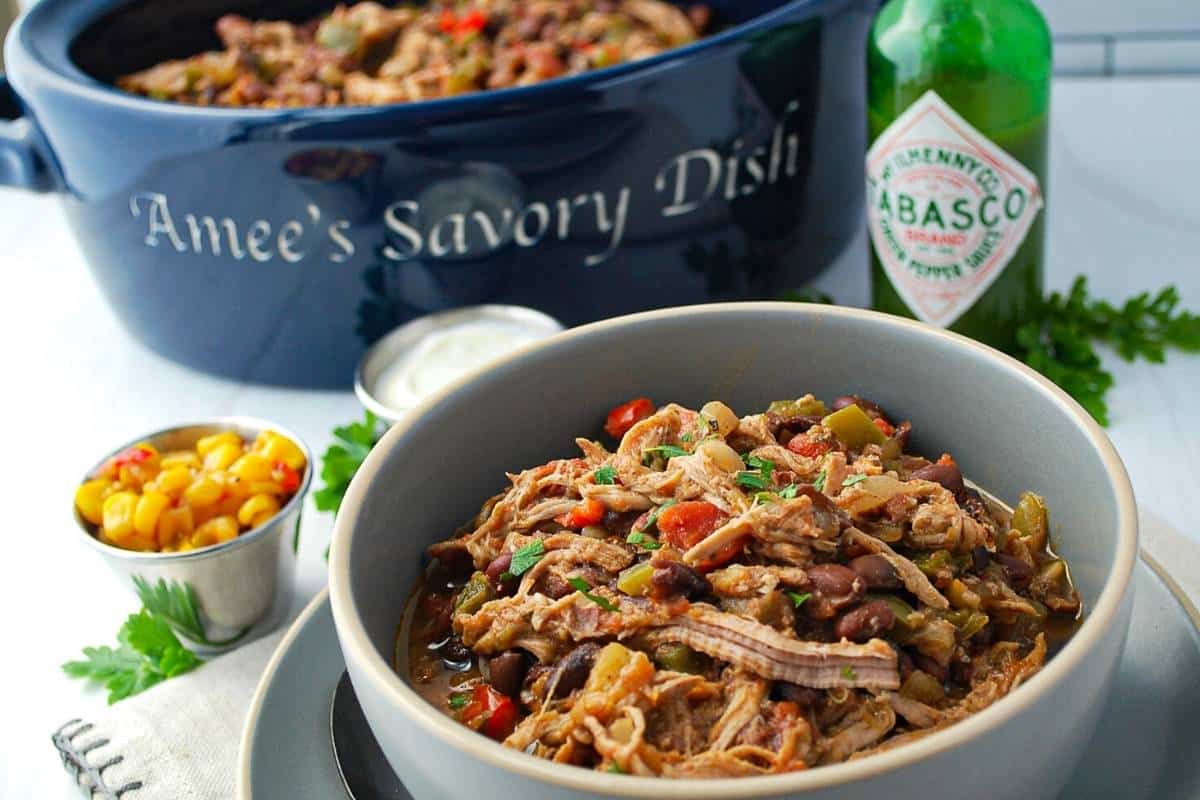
(1123, 208)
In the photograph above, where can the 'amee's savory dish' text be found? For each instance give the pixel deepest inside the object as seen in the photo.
(725, 597)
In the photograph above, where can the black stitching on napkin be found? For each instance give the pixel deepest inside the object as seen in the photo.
(89, 776)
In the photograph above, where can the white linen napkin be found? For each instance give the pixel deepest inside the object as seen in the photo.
(176, 741)
(179, 740)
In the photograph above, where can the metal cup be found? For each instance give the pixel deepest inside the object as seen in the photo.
(240, 588)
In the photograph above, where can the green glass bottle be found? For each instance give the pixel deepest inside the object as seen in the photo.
(958, 95)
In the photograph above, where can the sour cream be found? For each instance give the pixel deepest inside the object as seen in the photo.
(419, 358)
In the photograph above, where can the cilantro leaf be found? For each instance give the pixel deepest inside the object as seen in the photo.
(458, 700)
(1058, 339)
(667, 451)
(642, 540)
(798, 599)
(525, 557)
(341, 460)
(752, 480)
(853, 479)
(848, 673)
(148, 653)
(789, 491)
(764, 498)
(176, 603)
(605, 476)
(652, 520)
(819, 483)
(585, 589)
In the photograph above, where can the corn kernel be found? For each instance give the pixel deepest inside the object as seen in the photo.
(257, 510)
(265, 487)
(216, 530)
(221, 456)
(209, 443)
(173, 481)
(175, 525)
(251, 467)
(203, 492)
(228, 506)
(233, 486)
(149, 508)
(279, 448)
(89, 499)
(117, 516)
(180, 458)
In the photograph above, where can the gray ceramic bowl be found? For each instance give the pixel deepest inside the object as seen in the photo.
(1009, 429)
(242, 588)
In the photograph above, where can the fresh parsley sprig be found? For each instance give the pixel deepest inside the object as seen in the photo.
(605, 476)
(525, 557)
(341, 460)
(148, 652)
(1058, 340)
(585, 589)
(176, 603)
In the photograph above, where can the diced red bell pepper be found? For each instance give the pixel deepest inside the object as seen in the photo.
(130, 455)
(589, 512)
(884, 426)
(447, 21)
(289, 479)
(471, 22)
(626, 415)
(498, 712)
(804, 445)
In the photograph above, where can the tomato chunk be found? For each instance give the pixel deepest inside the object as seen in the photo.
(626, 415)
(684, 524)
(588, 512)
(808, 447)
(884, 426)
(497, 712)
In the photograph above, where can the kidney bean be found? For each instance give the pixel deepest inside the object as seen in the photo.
(499, 566)
(672, 578)
(573, 670)
(947, 475)
(1019, 573)
(875, 572)
(508, 672)
(927, 664)
(865, 622)
(834, 587)
(854, 400)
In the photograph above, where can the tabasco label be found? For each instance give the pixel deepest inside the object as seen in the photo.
(947, 209)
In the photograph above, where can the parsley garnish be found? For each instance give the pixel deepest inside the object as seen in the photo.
(176, 603)
(798, 599)
(458, 700)
(764, 465)
(351, 444)
(853, 479)
(848, 673)
(148, 653)
(665, 450)
(819, 483)
(524, 558)
(764, 498)
(687, 437)
(642, 540)
(605, 476)
(758, 476)
(789, 491)
(506, 576)
(585, 589)
(652, 520)
(1058, 340)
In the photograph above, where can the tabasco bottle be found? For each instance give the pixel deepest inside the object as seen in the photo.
(957, 100)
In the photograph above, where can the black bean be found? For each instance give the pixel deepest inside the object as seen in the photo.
(927, 664)
(1018, 572)
(980, 558)
(573, 670)
(876, 572)
(947, 475)
(620, 523)
(865, 622)
(674, 578)
(508, 672)
(802, 696)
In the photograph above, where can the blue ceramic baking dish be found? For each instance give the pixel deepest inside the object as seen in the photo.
(276, 244)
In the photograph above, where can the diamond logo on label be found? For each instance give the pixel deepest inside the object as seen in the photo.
(947, 209)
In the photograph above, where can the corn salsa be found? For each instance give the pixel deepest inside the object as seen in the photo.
(180, 500)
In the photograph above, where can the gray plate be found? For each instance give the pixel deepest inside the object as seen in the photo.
(1145, 745)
